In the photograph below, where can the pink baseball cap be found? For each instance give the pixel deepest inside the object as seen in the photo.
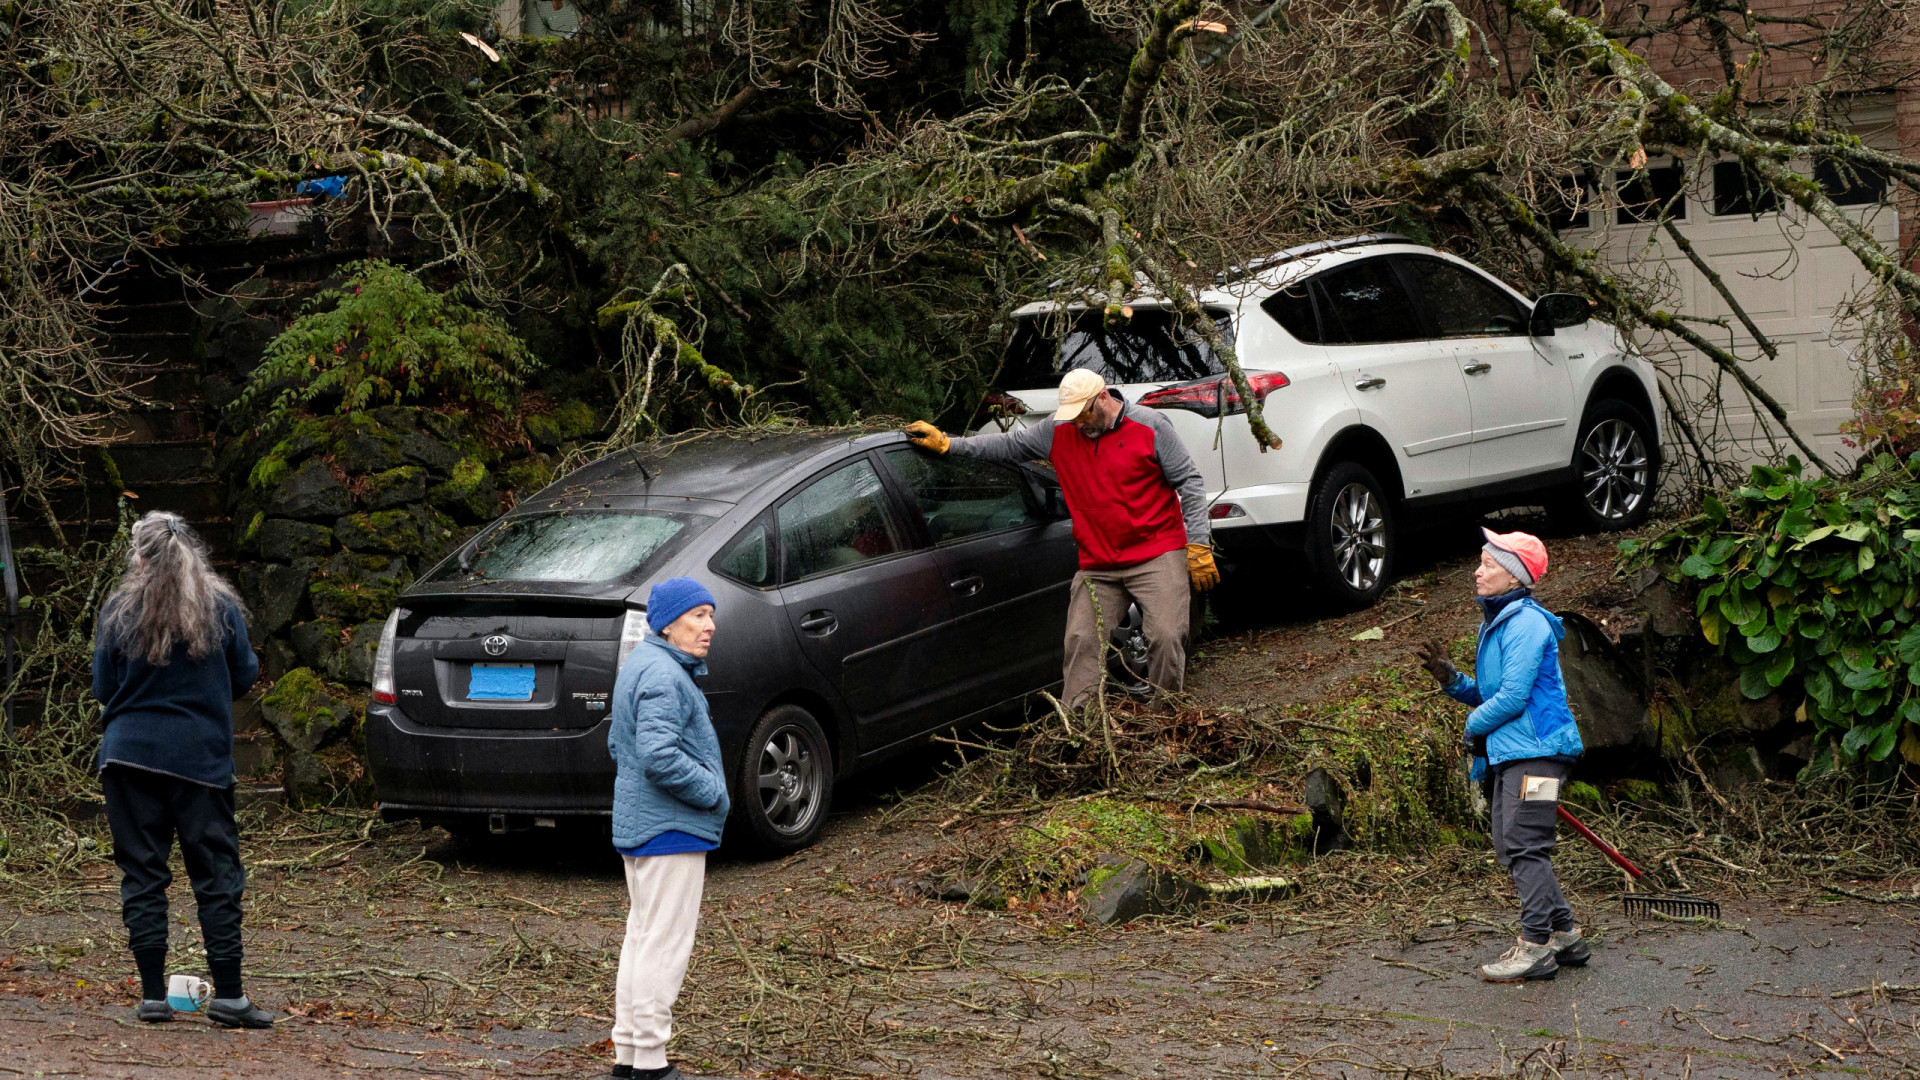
(1522, 554)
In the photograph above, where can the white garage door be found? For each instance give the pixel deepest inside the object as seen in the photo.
(1790, 273)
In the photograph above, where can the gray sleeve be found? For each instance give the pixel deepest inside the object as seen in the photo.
(1030, 443)
(1181, 473)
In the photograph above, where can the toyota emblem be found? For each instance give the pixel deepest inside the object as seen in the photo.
(495, 645)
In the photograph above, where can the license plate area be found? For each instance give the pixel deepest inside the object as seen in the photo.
(500, 682)
(488, 684)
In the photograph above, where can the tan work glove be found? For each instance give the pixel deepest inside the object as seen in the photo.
(927, 437)
(1200, 568)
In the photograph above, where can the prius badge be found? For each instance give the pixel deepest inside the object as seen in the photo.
(495, 645)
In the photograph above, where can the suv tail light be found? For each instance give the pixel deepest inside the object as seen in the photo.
(632, 629)
(1221, 510)
(1206, 396)
(1261, 383)
(1202, 397)
(383, 690)
(1001, 403)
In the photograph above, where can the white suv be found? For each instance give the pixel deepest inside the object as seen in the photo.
(1399, 379)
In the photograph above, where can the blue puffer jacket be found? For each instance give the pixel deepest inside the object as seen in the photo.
(668, 773)
(1520, 702)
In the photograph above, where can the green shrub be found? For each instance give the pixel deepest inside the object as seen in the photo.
(1814, 582)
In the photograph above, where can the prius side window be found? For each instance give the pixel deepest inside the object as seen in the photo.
(959, 497)
(839, 520)
(749, 559)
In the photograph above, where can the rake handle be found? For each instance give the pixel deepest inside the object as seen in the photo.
(1605, 848)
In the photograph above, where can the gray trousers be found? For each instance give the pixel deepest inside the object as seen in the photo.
(1524, 833)
(1165, 595)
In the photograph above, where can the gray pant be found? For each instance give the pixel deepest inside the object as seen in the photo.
(1524, 832)
(1161, 587)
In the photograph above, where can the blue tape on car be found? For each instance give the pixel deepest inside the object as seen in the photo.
(500, 682)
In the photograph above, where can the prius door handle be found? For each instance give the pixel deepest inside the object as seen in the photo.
(1369, 382)
(968, 585)
(822, 622)
(1477, 368)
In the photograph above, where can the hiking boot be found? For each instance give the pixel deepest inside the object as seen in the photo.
(1569, 948)
(154, 1012)
(238, 1014)
(1521, 963)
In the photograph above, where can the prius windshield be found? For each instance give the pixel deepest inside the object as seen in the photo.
(567, 545)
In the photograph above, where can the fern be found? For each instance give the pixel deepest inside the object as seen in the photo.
(382, 337)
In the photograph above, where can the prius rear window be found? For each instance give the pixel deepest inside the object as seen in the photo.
(568, 545)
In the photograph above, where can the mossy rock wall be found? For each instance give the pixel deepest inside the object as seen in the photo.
(336, 515)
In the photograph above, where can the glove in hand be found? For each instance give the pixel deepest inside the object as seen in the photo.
(927, 437)
(1433, 656)
(1200, 568)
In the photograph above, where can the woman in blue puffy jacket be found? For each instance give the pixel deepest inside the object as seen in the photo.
(669, 806)
(1522, 734)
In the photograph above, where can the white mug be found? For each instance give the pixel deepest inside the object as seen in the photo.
(185, 993)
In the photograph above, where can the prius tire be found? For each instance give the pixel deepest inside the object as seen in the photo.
(1350, 536)
(783, 785)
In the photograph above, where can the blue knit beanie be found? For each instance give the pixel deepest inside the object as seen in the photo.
(673, 598)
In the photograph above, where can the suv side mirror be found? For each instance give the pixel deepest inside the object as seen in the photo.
(1556, 311)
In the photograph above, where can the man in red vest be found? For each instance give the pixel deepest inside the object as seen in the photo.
(1139, 518)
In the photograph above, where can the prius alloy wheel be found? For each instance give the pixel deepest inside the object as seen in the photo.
(1351, 535)
(786, 781)
(1615, 471)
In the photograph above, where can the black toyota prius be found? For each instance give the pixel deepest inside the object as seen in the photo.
(868, 594)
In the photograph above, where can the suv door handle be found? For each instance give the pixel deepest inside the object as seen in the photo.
(1369, 382)
(822, 622)
(1477, 369)
(968, 585)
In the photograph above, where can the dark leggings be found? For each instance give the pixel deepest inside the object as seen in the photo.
(147, 811)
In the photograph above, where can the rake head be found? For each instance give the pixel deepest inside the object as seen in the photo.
(1641, 905)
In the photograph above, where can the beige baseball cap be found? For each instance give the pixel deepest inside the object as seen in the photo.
(1079, 387)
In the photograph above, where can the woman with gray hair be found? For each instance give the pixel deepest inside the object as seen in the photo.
(170, 657)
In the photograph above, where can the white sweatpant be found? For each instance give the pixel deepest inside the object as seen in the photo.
(663, 892)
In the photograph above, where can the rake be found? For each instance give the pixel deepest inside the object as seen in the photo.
(1641, 904)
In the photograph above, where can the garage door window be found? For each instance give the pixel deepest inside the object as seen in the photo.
(1850, 185)
(1652, 193)
(961, 498)
(1461, 303)
(1736, 190)
(839, 520)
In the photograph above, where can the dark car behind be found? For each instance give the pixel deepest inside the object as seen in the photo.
(867, 594)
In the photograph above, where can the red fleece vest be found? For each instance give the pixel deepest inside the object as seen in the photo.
(1124, 511)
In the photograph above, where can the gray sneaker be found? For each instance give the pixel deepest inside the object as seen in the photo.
(1569, 948)
(1521, 963)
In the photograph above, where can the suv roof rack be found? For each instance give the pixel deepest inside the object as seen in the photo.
(1236, 273)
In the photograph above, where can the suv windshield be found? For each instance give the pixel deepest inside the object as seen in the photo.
(569, 545)
(1154, 346)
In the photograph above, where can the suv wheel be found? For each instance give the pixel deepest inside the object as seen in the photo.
(1350, 536)
(1616, 471)
(785, 781)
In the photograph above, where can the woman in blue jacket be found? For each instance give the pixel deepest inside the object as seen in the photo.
(1522, 731)
(669, 804)
(169, 658)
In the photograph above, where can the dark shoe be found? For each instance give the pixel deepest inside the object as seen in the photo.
(154, 1012)
(1522, 963)
(621, 1072)
(1569, 948)
(245, 1015)
(671, 1072)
